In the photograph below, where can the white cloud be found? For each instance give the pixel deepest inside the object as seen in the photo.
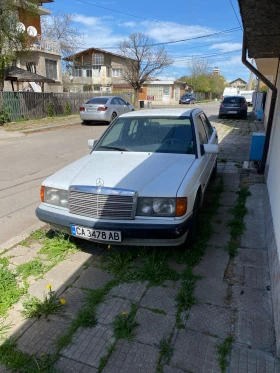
(227, 47)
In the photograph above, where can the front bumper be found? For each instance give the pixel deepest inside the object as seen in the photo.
(149, 232)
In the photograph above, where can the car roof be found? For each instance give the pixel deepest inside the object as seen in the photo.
(104, 97)
(162, 112)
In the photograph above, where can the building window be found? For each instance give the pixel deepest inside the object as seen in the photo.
(88, 71)
(96, 71)
(31, 67)
(117, 72)
(51, 69)
(98, 59)
(77, 71)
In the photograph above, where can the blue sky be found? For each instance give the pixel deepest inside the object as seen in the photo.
(203, 29)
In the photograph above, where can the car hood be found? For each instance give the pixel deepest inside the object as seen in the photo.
(150, 174)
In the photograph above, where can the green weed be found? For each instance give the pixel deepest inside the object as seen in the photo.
(166, 351)
(51, 304)
(223, 352)
(124, 324)
(33, 268)
(9, 289)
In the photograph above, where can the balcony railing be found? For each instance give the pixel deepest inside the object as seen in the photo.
(46, 45)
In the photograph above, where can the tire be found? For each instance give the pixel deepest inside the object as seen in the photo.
(114, 115)
(220, 116)
(86, 121)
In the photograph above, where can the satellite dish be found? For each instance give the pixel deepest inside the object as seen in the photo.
(31, 30)
(20, 27)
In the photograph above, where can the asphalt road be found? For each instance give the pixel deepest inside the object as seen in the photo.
(26, 161)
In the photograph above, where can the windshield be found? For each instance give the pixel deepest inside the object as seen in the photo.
(156, 134)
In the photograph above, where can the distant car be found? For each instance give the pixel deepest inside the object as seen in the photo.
(142, 184)
(187, 99)
(233, 106)
(105, 108)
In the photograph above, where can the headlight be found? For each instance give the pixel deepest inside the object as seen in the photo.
(53, 196)
(161, 206)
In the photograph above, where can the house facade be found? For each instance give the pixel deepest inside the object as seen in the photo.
(96, 70)
(262, 43)
(238, 83)
(42, 56)
(163, 91)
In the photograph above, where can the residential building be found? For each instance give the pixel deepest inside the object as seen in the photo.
(43, 56)
(261, 42)
(163, 91)
(238, 83)
(96, 70)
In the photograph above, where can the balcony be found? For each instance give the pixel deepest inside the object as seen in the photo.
(46, 45)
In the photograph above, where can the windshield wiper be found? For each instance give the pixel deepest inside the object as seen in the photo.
(114, 148)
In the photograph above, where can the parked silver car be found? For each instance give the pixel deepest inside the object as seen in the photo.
(105, 108)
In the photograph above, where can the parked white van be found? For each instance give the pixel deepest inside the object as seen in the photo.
(230, 91)
(248, 96)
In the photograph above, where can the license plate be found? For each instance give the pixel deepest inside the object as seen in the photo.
(232, 112)
(96, 234)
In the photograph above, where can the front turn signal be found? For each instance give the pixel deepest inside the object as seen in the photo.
(42, 193)
(181, 206)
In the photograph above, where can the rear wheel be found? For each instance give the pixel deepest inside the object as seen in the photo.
(86, 121)
(114, 115)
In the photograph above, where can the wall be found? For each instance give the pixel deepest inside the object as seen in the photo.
(272, 214)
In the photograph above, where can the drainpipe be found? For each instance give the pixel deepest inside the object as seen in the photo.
(272, 104)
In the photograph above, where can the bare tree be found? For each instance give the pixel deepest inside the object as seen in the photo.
(59, 26)
(13, 41)
(143, 60)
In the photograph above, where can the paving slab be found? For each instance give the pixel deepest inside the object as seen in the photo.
(231, 182)
(254, 300)
(41, 336)
(219, 239)
(132, 291)
(89, 345)
(254, 330)
(211, 291)
(82, 257)
(246, 360)
(64, 272)
(39, 288)
(74, 300)
(161, 298)
(153, 327)
(194, 352)
(93, 278)
(252, 258)
(210, 319)
(65, 365)
(135, 357)
(228, 199)
(213, 264)
(107, 311)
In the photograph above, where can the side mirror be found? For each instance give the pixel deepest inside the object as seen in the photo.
(211, 148)
(92, 143)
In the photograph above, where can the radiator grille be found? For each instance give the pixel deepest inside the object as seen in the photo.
(97, 205)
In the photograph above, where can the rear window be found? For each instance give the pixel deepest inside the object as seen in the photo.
(98, 100)
(234, 100)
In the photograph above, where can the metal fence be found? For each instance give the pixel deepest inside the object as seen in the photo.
(31, 105)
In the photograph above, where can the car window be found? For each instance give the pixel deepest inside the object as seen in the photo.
(115, 101)
(156, 134)
(121, 101)
(98, 100)
(207, 125)
(203, 139)
(234, 100)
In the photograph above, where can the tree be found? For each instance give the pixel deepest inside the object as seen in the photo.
(59, 27)
(143, 60)
(13, 39)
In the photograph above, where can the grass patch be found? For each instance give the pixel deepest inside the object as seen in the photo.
(124, 324)
(9, 289)
(185, 297)
(103, 360)
(18, 361)
(117, 262)
(51, 304)
(57, 246)
(33, 268)
(223, 352)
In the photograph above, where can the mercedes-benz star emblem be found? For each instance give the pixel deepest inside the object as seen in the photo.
(99, 182)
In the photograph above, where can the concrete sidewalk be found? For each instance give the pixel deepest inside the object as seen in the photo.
(233, 297)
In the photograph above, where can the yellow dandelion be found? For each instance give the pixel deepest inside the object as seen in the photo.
(49, 286)
(42, 355)
(62, 301)
(109, 246)
(123, 313)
